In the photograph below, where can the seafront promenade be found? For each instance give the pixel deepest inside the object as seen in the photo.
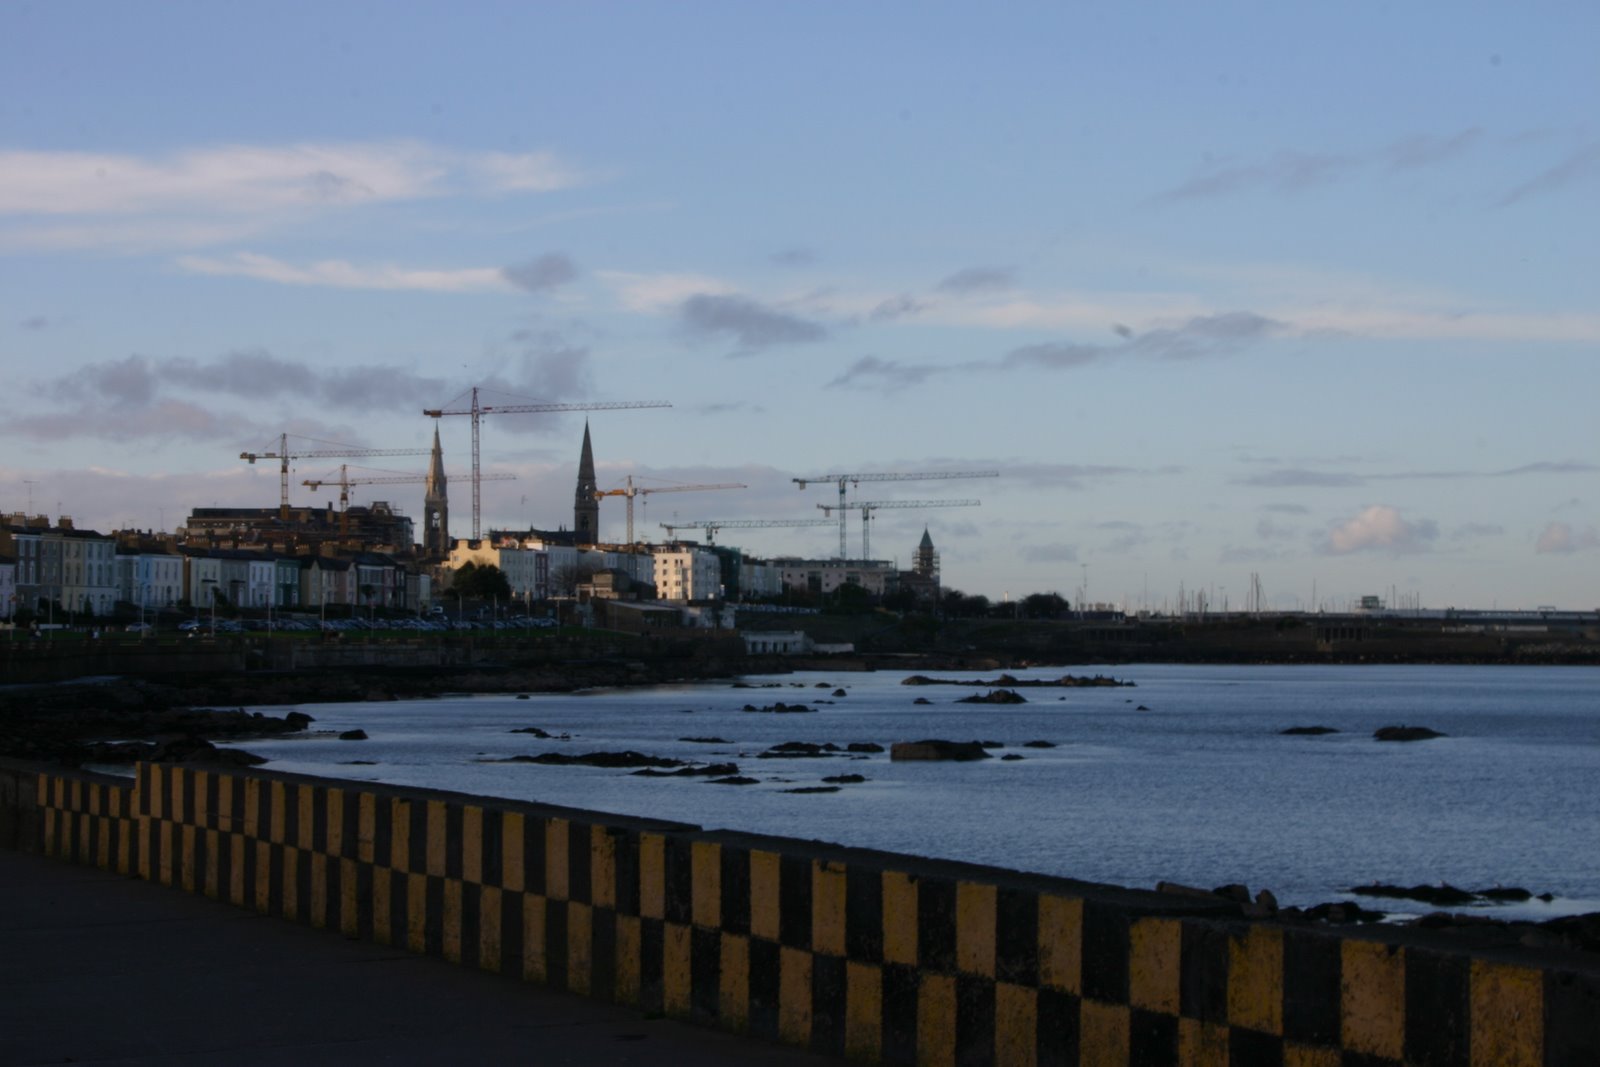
(97, 967)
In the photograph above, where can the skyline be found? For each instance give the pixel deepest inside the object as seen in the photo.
(1309, 295)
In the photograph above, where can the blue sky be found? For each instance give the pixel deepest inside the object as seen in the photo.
(1219, 290)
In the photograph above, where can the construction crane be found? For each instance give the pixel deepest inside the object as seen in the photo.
(630, 491)
(344, 482)
(856, 479)
(711, 526)
(867, 507)
(477, 411)
(283, 455)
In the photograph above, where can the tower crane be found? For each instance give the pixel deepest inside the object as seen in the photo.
(283, 455)
(711, 526)
(867, 507)
(630, 491)
(344, 482)
(478, 410)
(857, 479)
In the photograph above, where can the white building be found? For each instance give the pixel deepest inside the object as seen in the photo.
(826, 575)
(687, 572)
(151, 580)
(8, 587)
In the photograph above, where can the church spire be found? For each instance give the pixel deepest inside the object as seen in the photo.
(585, 506)
(435, 506)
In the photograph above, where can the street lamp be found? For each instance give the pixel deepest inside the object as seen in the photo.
(212, 592)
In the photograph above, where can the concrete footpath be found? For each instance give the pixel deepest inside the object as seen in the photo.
(99, 968)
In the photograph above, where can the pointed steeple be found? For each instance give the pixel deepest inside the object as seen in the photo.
(585, 506)
(927, 542)
(435, 506)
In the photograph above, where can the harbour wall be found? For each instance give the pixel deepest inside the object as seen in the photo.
(872, 956)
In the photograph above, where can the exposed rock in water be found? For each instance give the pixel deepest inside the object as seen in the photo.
(358, 763)
(922, 700)
(846, 779)
(780, 708)
(992, 744)
(705, 741)
(627, 758)
(1066, 681)
(935, 749)
(800, 750)
(1309, 731)
(709, 770)
(1011, 757)
(1405, 733)
(353, 735)
(814, 789)
(995, 696)
(533, 730)
(863, 746)
(737, 779)
(1038, 744)
(1442, 895)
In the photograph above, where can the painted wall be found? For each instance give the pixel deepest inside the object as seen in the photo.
(873, 956)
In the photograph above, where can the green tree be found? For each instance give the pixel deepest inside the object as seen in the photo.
(473, 582)
(1044, 606)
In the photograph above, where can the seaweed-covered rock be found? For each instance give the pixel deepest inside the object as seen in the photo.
(1405, 733)
(938, 750)
(995, 696)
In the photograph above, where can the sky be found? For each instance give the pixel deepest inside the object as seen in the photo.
(1231, 295)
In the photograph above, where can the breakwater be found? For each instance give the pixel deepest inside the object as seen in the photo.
(869, 955)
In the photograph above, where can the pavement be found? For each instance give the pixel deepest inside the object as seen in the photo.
(101, 968)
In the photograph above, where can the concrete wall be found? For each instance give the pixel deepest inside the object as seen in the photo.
(873, 956)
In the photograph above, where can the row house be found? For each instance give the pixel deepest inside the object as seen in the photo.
(150, 580)
(380, 581)
(59, 565)
(8, 587)
(324, 580)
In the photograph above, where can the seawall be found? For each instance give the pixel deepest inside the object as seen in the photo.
(873, 956)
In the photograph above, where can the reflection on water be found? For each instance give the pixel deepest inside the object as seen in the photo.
(1201, 788)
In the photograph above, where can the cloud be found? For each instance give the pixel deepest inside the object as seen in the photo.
(1579, 167)
(34, 322)
(1379, 528)
(1268, 530)
(546, 272)
(794, 257)
(886, 374)
(1199, 337)
(206, 195)
(1051, 553)
(1559, 538)
(1286, 172)
(1569, 466)
(978, 279)
(659, 293)
(897, 306)
(339, 274)
(1287, 509)
(1469, 530)
(1231, 554)
(166, 419)
(751, 325)
(1300, 478)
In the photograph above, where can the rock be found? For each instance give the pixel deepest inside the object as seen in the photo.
(737, 779)
(534, 730)
(1141, 707)
(937, 750)
(297, 720)
(705, 741)
(846, 779)
(992, 744)
(358, 763)
(799, 750)
(1309, 731)
(593, 759)
(1405, 733)
(708, 770)
(995, 696)
(863, 746)
(522, 696)
(1442, 895)
(1509, 894)
(814, 789)
(1233, 891)
(840, 693)
(1010, 757)
(353, 735)
(922, 700)
(1038, 744)
(780, 708)
(1342, 911)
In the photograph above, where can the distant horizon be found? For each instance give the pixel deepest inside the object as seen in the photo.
(1224, 294)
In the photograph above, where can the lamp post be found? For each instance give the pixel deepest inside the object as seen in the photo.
(211, 591)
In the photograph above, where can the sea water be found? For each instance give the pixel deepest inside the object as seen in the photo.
(1185, 777)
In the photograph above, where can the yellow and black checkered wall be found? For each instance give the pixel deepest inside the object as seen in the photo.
(871, 956)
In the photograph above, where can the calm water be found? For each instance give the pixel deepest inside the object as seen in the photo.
(1201, 788)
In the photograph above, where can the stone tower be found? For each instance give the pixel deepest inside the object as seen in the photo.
(436, 507)
(585, 507)
(925, 562)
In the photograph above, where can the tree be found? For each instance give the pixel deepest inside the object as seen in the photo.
(473, 582)
(1044, 606)
(564, 580)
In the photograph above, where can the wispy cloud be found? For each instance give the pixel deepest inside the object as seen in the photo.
(216, 193)
(1379, 528)
(545, 272)
(978, 279)
(340, 274)
(751, 325)
(1057, 553)
(660, 293)
(794, 257)
(1579, 167)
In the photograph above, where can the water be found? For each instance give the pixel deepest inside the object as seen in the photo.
(1200, 789)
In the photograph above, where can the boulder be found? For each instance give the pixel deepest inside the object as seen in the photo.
(934, 749)
(353, 735)
(1405, 733)
(995, 696)
(1308, 731)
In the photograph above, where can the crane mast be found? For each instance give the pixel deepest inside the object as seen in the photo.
(867, 507)
(283, 455)
(344, 482)
(477, 411)
(630, 491)
(883, 476)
